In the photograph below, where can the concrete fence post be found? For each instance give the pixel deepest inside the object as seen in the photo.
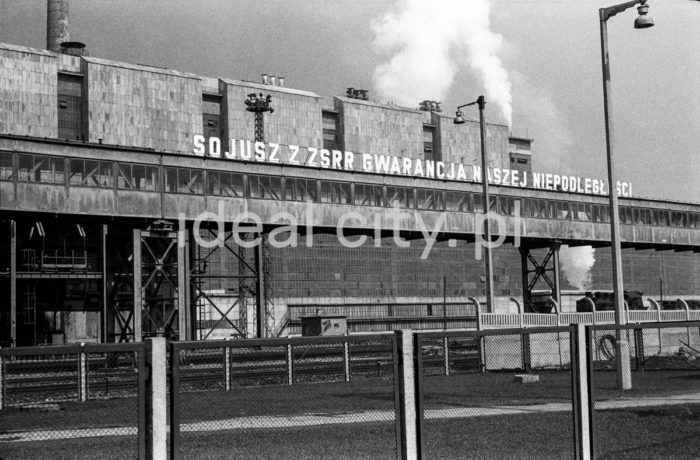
(408, 411)
(290, 364)
(156, 400)
(82, 374)
(581, 387)
(687, 316)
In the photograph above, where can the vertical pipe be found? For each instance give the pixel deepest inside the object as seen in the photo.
(13, 283)
(524, 251)
(138, 295)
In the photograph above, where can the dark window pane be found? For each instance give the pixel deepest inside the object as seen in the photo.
(6, 172)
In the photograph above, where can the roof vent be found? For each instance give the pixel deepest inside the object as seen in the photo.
(361, 94)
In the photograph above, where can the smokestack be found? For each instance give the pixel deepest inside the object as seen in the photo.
(280, 81)
(57, 28)
(273, 80)
(264, 79)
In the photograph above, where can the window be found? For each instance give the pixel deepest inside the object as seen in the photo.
(369, 195)
(70, 106)
(184, 180)
(478, 200)
(211, 109)
(137, 177)
(42, 169)
(401, 197)
(431, 200)
(457, 201)
(336, 192)
(265, 187)
(330, 130)
(222, 183)
(6, 170)
(662, 219)
(505, 205)
(91, 173)
(297, 189)
(522, 161)
(600, 213)
(429, 150)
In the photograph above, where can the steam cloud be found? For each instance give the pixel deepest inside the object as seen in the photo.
(576, 263)
(428, 41)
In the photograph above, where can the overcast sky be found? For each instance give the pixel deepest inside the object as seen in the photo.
(541, 55)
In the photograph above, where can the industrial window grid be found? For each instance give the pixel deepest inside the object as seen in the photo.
(47, 169)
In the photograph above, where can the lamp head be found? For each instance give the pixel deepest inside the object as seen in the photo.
(459, 118)
(643, 21)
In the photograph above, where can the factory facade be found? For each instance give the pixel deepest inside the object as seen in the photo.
(106, 168)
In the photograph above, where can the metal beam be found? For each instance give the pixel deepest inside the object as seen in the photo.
(182, 272)
(260, 300)
(105, 307)
(138, 294)
(13, 283)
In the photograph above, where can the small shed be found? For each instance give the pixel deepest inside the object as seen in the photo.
(324, 325)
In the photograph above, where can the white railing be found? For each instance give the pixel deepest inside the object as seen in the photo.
(496, 320)
(490, 320)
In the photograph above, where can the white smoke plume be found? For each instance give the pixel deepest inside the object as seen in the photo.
(429, 41)
(576, 263)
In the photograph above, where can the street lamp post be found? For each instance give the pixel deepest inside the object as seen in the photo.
(624, 380)
(488, 262)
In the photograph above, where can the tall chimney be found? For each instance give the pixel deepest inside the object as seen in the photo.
(57, 29)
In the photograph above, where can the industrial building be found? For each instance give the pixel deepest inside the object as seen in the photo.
(103, 186)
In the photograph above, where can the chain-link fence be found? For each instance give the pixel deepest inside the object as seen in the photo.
(72, 401)
(317, 397)
(659, 417)
(496, 394)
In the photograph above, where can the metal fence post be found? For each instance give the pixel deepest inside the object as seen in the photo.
(408, 411)
(581, 388)
(446, 351)
(346, 359)
(2, 381)
(227, 367)
(525, 351)
(82, 374)
(290, 364)
(156, 400)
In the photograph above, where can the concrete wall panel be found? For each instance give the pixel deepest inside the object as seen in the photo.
(28, 85)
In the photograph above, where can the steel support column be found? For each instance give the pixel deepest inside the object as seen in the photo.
(13, 283)
(105, 307)
(183, 313)
(138, 291)
(260, 301)
(539, 271)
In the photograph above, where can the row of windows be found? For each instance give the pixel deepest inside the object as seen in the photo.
(131, 176)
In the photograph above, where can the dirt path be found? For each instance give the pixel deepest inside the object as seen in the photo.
(290, 421)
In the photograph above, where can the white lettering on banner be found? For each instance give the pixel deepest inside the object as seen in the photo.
(246, 150)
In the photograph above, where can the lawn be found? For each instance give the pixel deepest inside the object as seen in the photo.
(668, 431)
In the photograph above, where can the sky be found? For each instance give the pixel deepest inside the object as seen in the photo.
(537, 61)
